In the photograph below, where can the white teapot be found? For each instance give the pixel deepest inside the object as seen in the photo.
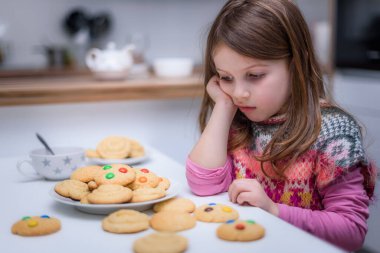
(110, 59)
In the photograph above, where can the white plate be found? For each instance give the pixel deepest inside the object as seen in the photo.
(128, 161)
(109, 208)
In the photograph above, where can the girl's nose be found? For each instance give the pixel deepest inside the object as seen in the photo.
(241, 91)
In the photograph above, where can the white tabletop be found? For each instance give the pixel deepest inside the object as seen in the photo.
(82, 231)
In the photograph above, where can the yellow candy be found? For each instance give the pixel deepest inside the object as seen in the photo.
(227, 209)
(32, 223)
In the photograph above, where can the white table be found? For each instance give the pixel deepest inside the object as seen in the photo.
(81, 231)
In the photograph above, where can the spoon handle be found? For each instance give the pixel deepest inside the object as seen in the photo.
(45, 144)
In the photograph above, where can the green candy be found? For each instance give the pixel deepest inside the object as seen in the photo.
(107, 167)
(26, 218)
(251, 222)
(110, 175)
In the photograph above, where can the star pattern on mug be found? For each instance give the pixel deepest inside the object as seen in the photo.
(46, 162)
(67, 160)
(57, 171)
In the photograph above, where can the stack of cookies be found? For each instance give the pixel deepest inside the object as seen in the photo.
(116, 147)
(112, 184)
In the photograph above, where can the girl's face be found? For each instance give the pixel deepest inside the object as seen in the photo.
(259, 88)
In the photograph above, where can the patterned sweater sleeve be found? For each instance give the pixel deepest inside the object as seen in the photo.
(345, 180)
(206, 182)
(343, 220)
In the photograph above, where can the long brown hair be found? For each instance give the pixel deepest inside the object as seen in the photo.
(268, 30)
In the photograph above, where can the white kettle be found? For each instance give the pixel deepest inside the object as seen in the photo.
(111, 59)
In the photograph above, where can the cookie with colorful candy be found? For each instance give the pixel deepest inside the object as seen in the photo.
(36, 226)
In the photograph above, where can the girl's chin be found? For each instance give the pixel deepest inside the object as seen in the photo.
(255, 118)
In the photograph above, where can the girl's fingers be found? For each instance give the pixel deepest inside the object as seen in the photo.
(243, 198)
(230, 192)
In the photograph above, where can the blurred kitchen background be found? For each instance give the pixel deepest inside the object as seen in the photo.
(36, 34)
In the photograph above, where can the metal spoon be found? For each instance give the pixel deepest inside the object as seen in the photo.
(39, 137)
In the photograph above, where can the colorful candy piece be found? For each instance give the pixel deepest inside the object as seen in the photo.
(107, 167)
(239, 226)
(110, 175)
(123, 170)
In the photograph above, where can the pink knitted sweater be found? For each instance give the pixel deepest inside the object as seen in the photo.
(326, 192)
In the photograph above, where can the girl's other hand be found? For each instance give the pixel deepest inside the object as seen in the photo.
(216, 93)
(250, 191)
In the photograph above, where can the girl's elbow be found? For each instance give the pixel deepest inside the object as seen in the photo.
(356, 240)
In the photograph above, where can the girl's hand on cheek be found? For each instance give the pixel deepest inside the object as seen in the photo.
(249, 191)
(216, 93)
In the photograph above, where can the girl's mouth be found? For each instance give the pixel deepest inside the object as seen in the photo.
(246, 108)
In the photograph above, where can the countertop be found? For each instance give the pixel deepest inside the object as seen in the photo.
(82, 231)
(84, 87)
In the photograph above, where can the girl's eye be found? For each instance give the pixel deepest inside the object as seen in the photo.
(225, 78)
(255, 76)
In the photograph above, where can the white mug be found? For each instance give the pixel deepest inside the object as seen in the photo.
(52, 167)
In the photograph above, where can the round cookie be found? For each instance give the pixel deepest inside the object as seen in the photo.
(114, 147)
(144, 179)
(110, 194)
(125, 221)
(72, 189)
(164, 183)
(137, 150)
(36, 225)
(214, 212)
(172, 221)
(85, 174)
(160, 242)
(146, 194)
(240, 230)
(120, 174)
(175, 204)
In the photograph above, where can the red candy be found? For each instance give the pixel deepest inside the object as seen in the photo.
(240, 226)
(144, 170)
(123, 170)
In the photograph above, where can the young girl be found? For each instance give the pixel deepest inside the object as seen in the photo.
(272, 139)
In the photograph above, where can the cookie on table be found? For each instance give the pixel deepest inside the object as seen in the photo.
(172, 221)
(214, 212)
(36, 226)
(137, 150)
(161, 242)
(240, 230)
(146, 194)
(114, 147)
(144, 179)
(110, 194)
(120, 174)
(164, 183)
(175, 204)
(125, 221)
(73, 189)
(85, 174)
